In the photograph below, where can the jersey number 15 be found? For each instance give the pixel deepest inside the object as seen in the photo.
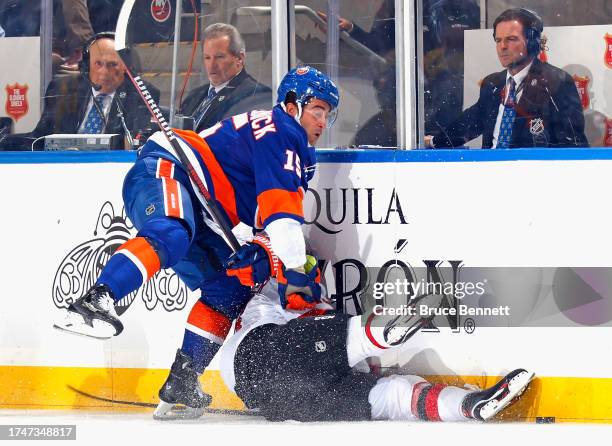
(293, 162)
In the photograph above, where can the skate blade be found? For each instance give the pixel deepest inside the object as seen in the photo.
(74, 323)
(168, 411)
(516, 387)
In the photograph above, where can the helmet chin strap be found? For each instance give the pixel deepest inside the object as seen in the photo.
(298, 116)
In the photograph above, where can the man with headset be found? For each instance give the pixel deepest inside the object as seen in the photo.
(530, 104)
(95, 102)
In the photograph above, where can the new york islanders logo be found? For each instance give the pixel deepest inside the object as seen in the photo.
(160, 10)
(81, 267)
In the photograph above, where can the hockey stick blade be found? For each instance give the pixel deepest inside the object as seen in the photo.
(152, 405)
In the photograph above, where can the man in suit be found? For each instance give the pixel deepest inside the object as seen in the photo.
(530, 104)
(231, 89)
(91, 103)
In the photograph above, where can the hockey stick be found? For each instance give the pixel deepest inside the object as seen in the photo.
(151, 405)
(201, 191)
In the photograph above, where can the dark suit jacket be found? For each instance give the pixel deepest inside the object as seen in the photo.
(548, 114)
(65, 105)
(241, 94)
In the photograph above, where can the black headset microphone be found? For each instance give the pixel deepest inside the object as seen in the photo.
(84, 69)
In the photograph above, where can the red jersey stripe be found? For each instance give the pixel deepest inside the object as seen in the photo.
(164, 169)
(172, 198)
(368, 332)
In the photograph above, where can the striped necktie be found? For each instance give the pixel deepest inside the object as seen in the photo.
(505, 130)
(94, 123)
(204, 106)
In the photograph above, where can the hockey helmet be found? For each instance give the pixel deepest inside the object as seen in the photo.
(307, 83)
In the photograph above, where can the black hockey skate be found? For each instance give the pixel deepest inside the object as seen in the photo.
(487, 403)
(399, 329)
(181, 395)
(93, 315)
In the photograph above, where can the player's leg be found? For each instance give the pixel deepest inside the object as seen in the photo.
(408, 397)
(210, 319)
(161, 208)
(301, 371)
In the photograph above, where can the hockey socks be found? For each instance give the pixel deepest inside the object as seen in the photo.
(160, 243)
(130, 266)
(408, 397)
(205, 331)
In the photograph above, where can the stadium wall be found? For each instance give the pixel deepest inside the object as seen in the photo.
(543, 213)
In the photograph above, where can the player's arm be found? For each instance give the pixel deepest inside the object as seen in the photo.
(280, 192)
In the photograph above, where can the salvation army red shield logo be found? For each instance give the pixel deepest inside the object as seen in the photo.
(608, 56)
(582, 85)
(16, 105)
(160, 10)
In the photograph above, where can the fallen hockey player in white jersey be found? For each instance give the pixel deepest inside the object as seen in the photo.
(299, 365)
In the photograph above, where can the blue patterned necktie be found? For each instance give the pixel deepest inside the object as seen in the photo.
(505, 130)
(204, 106)
(94, 123)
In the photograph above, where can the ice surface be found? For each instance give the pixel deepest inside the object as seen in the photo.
(139, 429)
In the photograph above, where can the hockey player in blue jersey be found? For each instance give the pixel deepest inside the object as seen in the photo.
(256, 166)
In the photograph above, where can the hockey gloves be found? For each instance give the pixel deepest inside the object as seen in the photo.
(300, 288)
(254, 263)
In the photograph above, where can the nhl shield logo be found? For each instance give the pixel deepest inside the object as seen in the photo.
(608, 55)
(536, 126)
(582, 85)
(16, 105)
(160, 10)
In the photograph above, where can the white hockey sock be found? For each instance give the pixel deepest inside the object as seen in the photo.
(409, 397)
(359, 345)
(391, 396)
(449, 403)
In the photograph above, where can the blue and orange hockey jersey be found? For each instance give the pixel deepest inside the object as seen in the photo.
(256, 165)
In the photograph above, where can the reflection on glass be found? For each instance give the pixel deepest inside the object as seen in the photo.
(444, 23)
(539, 83)
(89, 92)
(365, 65)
